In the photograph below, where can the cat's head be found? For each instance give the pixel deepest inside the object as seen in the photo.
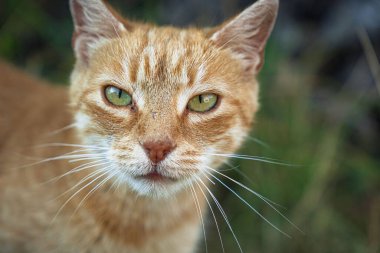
(164, 104)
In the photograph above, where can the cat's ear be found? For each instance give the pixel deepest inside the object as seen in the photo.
(246, 34)
(94, 23)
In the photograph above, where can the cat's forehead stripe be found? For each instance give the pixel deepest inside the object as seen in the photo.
(175, 58)
(152, 63)
(141, 75)
(132, 63)
(126, 72)
(200, 74)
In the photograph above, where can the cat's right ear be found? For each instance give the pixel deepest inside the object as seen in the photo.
(246, 34)
(94, 23)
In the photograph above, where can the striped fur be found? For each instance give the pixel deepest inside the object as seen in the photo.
(162, 68)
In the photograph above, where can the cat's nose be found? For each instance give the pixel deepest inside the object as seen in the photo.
(158, 150)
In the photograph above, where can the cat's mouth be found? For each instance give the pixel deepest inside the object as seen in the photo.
(156, 176)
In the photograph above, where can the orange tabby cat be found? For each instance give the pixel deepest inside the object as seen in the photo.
(148, 111)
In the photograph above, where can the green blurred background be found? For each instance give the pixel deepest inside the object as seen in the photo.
(320, 110)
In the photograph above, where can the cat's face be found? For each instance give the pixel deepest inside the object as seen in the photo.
(182, 99)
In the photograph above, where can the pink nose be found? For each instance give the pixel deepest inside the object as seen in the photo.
(158, 150)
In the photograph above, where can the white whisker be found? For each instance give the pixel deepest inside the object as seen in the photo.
(86, 158)
(72, 196)
(89, 176)
(213, 214)
(241, 173)
(58, 144)
(61, 129)
(92, 191)
(260, 142)
(248, 205)
(254, 158)
(82, 167)
(66, 156)
(221, 210)
(266, 200)
(200, 214)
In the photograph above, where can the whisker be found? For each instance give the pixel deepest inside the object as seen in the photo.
(86, 158)
(89, 176)
(78, 169)
(62, 157)
(266, 200)
(200, 214)
(73, 156)
(251, 182)
(260, 142)
(248, 205)
(82, 150)
(254, 158)
(213, 214)
(240, 155)
(58, 144)
(92, 191)
(90, 163)
(241, 173)
(72, 196)
(224, 215)
(60, 130)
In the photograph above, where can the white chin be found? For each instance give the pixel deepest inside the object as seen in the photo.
(151, 188)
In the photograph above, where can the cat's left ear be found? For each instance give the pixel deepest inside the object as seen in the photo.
(94, 22)
(246, 34)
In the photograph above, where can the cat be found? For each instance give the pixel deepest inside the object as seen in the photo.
(149, 116)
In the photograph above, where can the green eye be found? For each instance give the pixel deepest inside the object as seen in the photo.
(117, 96)
(203, 102)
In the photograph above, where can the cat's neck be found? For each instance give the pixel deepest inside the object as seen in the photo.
(121, 214)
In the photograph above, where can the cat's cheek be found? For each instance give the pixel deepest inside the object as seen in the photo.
(82, 121)
(106, 122)
(209, 128)
(237, 134)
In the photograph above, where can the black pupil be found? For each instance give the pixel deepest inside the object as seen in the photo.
(119, 94)
(200, 99)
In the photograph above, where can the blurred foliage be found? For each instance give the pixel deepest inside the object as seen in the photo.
(332, 190)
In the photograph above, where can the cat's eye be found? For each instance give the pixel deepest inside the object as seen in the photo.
(203, 102)
(117, 96)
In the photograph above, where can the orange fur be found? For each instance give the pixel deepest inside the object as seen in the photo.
(162, 68)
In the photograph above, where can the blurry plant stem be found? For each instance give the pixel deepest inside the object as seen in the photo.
(327, 156)
(370, 54)
(374, 226)
(313, 194)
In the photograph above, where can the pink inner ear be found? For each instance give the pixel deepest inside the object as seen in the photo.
(77, 12)
(93, 21)
(247, 34)
(81, 45)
